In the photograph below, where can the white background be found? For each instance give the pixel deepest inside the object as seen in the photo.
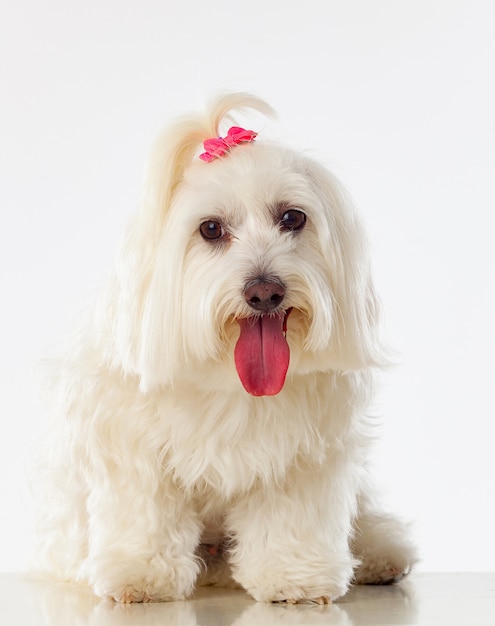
(397, 96)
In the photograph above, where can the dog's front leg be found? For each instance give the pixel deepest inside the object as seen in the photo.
(292, 541)
(141, 545)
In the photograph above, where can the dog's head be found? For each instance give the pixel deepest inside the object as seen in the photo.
(241, 268)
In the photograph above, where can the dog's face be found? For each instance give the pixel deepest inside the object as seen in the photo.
(259, 272)
(254, 263)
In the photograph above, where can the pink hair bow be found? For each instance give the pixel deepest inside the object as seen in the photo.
(217, 147)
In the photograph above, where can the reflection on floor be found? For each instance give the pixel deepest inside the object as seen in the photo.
(425, 599)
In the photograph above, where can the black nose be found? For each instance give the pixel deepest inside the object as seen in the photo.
(264, 294)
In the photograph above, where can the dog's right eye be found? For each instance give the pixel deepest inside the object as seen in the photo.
(211, 230)
(292, 220)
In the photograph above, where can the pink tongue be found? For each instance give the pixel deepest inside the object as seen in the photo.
(262, 355)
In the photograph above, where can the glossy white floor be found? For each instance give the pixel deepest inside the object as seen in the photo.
(425, 599)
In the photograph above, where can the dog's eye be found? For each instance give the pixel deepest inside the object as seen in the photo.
(211, 230)
(292, 220)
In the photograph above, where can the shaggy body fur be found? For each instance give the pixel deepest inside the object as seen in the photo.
(164, 472)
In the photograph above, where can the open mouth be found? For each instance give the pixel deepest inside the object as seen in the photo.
(262, 353)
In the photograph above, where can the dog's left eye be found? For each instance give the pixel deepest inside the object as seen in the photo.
(211, 230)
(292, 220)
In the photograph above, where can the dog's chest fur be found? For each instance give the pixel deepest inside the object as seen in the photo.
(229, 443)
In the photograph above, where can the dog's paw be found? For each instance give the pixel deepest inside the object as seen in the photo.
(291, 593)
(385, 551)
(381, 572)
(139, 591)
(154, 581)
(142, 590)
(320, 600)
(385, 564)
(316, 583)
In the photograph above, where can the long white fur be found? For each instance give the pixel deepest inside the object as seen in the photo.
(157, 448)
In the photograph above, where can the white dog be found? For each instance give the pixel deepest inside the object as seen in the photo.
(210, 412)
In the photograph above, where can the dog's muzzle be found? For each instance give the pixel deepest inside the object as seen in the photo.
(262, 353)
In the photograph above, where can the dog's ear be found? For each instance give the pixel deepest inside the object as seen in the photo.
(145, 341)
(355, 340)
